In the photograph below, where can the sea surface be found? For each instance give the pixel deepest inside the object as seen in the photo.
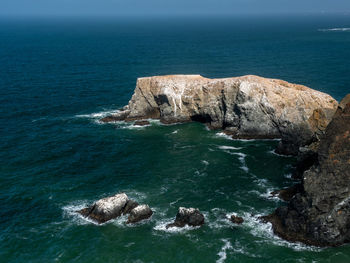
(58, 76)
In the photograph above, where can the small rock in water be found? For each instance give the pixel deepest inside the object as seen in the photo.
(187, 216)
(142, 123)
(109, 208)
(139, 213)
(236, 219)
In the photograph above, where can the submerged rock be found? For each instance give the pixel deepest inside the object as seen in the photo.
(139, 213)
(187, 216)
(245, 107)
(320, 214)
(236, 219)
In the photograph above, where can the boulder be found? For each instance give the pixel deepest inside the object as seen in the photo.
(236, 219)
(187, 216)
(245, 107)
(109, 208)
(139, 213)
(320, 214)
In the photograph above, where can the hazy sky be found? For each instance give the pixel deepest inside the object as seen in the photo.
(167, 7)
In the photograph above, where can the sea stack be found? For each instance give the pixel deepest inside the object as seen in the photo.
(187, 216)
(320, 213)
(114, 206)
(248, 107)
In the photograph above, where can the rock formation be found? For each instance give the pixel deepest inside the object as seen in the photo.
(112, 207)
(244, 107)
(139, 213)
(320, 213)
(187, 216)
(236, 219)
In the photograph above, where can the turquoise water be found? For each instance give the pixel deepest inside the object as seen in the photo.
(57, 77)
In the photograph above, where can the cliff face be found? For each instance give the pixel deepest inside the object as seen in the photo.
(320, 214)
(245, 107)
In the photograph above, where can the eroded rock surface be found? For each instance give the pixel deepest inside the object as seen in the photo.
(106, 209)
(112, 207)
(245, 107)
(320, 214)
(187, 216)
(139, 213)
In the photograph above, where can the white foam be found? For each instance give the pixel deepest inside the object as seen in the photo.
(280, 155)
(96, 115)
(174, 202)
(337, 29)
(174, 132)
(71, 211)
(161, 226)
(222, 254)
(205, 162)
(223, 135)
(224, 147)
(265, 231)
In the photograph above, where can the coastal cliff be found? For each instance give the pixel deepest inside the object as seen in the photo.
(320, 213)
(246, 107)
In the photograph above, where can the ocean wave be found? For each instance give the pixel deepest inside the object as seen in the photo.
(224, 147)
(280, 155)
(337, 29)
(205, 162)
(223, 135)
(70, 211)
(161, 226)
(222, 254)
(265, 231)
(96, 115)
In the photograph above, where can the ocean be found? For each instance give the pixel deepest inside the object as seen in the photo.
(58, 76)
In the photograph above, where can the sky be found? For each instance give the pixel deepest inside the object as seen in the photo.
(167, 7)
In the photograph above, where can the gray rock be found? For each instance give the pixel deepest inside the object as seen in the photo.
(236, 219)
(187, 216)
(320, 214)
(139, 213)
(106, 209)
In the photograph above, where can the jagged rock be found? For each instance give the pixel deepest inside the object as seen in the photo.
(142, 123)
(106, 209)
(245, 107)
(139, 213)
(187, 216)
(236, 219)
(320, 215)
(288, 193)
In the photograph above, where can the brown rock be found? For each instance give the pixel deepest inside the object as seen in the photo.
(236, 219)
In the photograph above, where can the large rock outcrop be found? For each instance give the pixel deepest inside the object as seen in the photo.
(245, 107)
(320, 213)
(112, 207)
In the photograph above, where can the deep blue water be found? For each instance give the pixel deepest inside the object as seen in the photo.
(57, 76)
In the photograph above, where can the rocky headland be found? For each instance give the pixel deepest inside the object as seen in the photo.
(247, 107)
(310, 124)
(319, 212)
